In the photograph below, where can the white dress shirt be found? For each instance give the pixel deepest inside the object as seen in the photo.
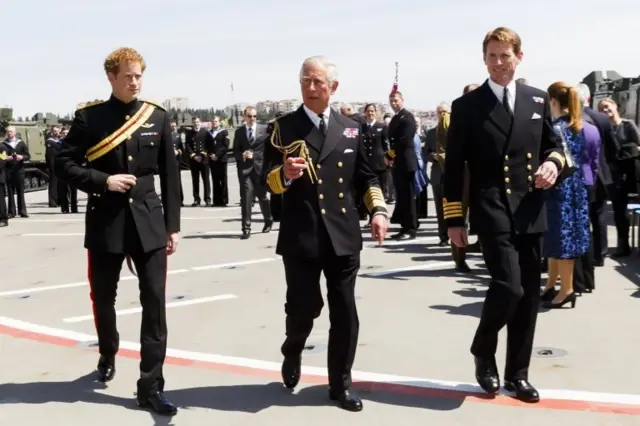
(499, 92)
(315, 119)
(253, 130)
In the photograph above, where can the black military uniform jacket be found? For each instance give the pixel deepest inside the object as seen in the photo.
(3, 163)
(14, 167)
(319, 211)
(178, 147)
(402, 130)
(502, 154)
(375, 145)
(196, 144)
(102, 135)
(219, 145)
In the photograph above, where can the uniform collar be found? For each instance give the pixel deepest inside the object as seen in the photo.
(125, 107)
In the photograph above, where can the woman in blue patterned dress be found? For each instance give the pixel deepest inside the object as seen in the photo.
(568, 234)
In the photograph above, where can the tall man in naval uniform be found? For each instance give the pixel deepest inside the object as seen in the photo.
(503, 132)
(124, 141)
(315, 158)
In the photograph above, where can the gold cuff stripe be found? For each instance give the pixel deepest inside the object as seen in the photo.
(452, 209)
(559, 157)
(452, 215)
(373, 198)
(274, 180)
(446, 203)
(120, 135)
(391, 153)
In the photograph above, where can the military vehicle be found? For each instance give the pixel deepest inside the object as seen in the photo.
(624, 91)
(33, 133)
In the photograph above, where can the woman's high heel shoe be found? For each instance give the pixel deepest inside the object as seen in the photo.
(571, 298)
(548, 295)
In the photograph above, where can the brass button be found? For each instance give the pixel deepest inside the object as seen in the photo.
(344, 210)
(130, 158)
(320, 181)
(323, 211)
(508, 191)
(506, 157)
(340, 180)
(317, 166)
(528, 166)
(130, 200)
(126, 117)
(341, 195)
(152, 145)
(321, 196)
(528, 155)
(339, 163)
(506, 168)
(529, 178)
(506, 180)
(530, 189)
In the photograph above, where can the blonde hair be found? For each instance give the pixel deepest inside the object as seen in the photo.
(121, 56)
(503, 35)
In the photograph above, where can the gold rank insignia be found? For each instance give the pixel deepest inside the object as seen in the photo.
(3, 155)
(451, 209)
(89, 104)
(373, 198)
(155, 104)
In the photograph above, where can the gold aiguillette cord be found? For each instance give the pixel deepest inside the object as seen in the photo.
(300, 146)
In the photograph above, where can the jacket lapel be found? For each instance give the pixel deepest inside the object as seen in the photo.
(497, 113)
(311, 133)
(334, 134)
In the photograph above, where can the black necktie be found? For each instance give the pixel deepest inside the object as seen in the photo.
(322, 126)
(505, 102)
(251, 134)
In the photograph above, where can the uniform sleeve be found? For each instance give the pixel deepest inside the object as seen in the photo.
(551, 144)
(169, 179)
(272, 171)
(222, 149)
(72, 154)
(457, 139)
(367, 183)
(26, 156)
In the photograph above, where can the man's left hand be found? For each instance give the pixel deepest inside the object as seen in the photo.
(546, 175)
(379, 225)
(172, 243)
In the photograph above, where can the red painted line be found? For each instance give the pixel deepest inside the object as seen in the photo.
(381, 387)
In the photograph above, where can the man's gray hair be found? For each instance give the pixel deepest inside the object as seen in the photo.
(584, 93)
(322, 62)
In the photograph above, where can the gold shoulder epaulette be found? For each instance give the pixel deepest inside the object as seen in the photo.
(89, 104)
(155, 104)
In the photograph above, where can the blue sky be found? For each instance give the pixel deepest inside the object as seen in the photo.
(195, 49)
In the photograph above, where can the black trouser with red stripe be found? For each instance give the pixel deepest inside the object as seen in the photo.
(104, 274)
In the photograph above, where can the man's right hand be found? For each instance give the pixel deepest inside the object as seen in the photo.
(458, 236)
(121, 183)
(294, 168)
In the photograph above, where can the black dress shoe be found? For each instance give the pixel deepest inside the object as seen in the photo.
(291, 371)
(463, 267)
(549, 294)
(158, 403)
(267, 227)
(106, 369)
(487, 375)
(347, 399)
(195, 204)
(523, 390)
(404, 236)
(3, 223)
(245, 235)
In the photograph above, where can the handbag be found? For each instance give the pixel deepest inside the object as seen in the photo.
(570, 165)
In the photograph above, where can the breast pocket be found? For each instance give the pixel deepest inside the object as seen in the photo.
(149, 147)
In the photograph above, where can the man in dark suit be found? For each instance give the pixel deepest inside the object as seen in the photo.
(217, 149)
(316, 159)
(402, 130)
(123, 142)
(503, 132)
(607, 176)
(248, 149)
(51, 146)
